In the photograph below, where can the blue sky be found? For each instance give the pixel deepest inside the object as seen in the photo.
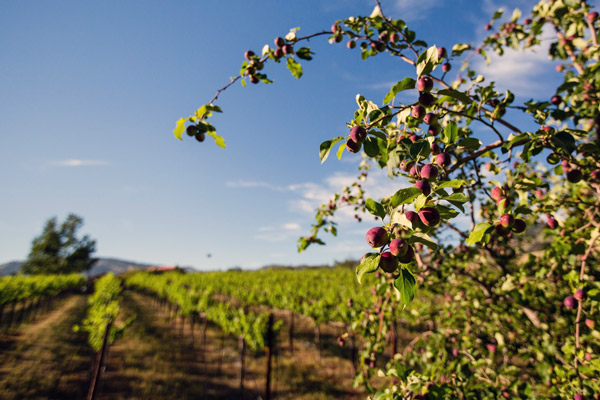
(90, 93)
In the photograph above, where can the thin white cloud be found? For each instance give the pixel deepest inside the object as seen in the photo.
(409, 10)
(291, 226)
(254, 184)
(75, 162)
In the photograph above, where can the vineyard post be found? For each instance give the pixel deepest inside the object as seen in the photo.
(98, 363)
(269, 352)
(353, 352)
(12, 314)
(291, 332)
(318, 338)
(192, 320)
(242, 348)
(204, 326)
(222, 351)
(393, 337)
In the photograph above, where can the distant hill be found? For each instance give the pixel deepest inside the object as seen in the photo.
(103, 266)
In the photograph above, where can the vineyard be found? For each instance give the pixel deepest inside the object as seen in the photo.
(273, 333)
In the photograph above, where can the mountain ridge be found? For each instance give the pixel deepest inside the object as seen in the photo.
(102, 266)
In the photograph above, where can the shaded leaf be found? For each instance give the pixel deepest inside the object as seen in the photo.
(405, 283)
(375, 208)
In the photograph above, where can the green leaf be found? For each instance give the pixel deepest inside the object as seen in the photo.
(206, 111)
(455, 184)
(304, 53)
(425, 239)
(458, 197)
(447, 212)
(450, 133)
(516, 15)
(404, 84)
(180, 128)
(340, 150)
(458, 49)
(370, 263)
(405, 283)
(405, 196)
(420, 150)
(478, 232)
(294, 67)
(564, 140)
(470, 143)
(326, 146)
(371, 147)
(218, 139)
(420, 201)
(427, 60)
(455, 94)
(375, 208)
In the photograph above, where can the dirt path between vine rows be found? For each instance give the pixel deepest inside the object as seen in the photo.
(46, 358)
(156, 360)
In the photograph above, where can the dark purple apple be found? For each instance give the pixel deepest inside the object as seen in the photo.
(418, 112)
(358, 133)
(441, 52)
(414, 171)
(579, 295)
(434, 129)
(377, 237)
(591, 17)
(408, 256)
(429, 172)
(423, 186)
(430, 118)
(426, 99)
(435, 149)
(425, 84)
(519, 226)
(429, 216)
(556, 100)
(191, 130)
(248, 54)
(279, 41)
(398, 246)
(552, 223)
(446, 67)
(388, 262)
(507, 220)
(351, 44)
(442, 159)
(200, 136)
(352, 146)
(288, 49)
(413, 217)
(574, 175)
(570, 302)
(406, 165)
